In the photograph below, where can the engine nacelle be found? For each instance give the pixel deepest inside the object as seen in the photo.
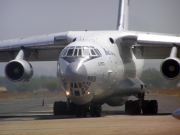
(170, 68)
(18, 70)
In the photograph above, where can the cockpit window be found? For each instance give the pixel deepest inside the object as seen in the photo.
(93, 52)
(75, 52)
(70, 52)
(64, 52)
(81, 51)
(85, 51)
(98, 52)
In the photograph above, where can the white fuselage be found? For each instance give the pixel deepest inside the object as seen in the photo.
(90, 69)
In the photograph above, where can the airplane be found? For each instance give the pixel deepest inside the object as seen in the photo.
(96, 67)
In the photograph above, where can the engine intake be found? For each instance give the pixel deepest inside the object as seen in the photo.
(170, 68)
(18, 70)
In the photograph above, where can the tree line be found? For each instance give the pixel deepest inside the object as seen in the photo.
(151, 77)
(154, 80)
(35, 83)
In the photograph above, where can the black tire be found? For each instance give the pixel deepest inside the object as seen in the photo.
(83, 112)
(153, 105)
(72, 109)
(145, 107)
(128, 107)
(56, 108)
(78, 111)
(60, 108)
(98, 110)
(63, 106)
(136, 108)
(92, 111)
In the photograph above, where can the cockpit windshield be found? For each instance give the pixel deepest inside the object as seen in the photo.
(80, 51)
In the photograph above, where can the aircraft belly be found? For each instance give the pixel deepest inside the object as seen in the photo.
(118, 92)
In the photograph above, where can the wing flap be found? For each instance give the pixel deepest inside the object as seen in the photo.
(151, 46)
(35, 55)
(142, 52)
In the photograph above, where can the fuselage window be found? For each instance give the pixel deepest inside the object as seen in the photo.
(70, 52)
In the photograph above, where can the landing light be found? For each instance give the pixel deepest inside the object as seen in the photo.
(67, 93)
(88, 93)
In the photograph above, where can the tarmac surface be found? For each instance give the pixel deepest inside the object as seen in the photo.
(28, 116)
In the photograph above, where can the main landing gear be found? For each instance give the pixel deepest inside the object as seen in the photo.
(69, 108)
(147, 107)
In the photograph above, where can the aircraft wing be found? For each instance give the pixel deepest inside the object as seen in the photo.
(151, 46)
(40, 48)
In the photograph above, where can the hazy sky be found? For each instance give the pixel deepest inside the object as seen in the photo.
(23, 18)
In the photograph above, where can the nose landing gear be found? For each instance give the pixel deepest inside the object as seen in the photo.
(69, 108)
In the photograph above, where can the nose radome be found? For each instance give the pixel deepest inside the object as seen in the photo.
(76, 72)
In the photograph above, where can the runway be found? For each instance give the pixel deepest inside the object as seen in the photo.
(28, 116)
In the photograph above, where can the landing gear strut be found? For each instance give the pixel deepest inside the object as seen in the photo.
(134, 107)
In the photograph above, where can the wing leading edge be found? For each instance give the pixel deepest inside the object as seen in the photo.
(40, 48)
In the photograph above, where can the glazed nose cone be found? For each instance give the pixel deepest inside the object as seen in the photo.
(76, 72)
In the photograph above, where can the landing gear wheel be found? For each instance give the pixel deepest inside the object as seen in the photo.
(59, 108)
(150, 107)
(92, 111)
(153, 105)
(78, 111)
(98, 111)
(95, 110)
(132, 107)
(145, 107)
(81, 111)
(72, 108)
(56, 108)
(136, 107)
(128, 107)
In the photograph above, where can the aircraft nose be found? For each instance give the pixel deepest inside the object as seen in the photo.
(76, 72)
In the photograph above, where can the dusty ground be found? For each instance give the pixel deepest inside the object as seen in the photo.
(7, 94)
(109, 125)
(26, 116)
(172, 92)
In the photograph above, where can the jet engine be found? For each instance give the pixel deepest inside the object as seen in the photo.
(170, 68)
(18, 70)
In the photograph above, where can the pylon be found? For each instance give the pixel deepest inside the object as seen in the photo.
(43, 102)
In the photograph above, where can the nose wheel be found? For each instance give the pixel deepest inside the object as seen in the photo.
(69, 108)
(95, 110)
